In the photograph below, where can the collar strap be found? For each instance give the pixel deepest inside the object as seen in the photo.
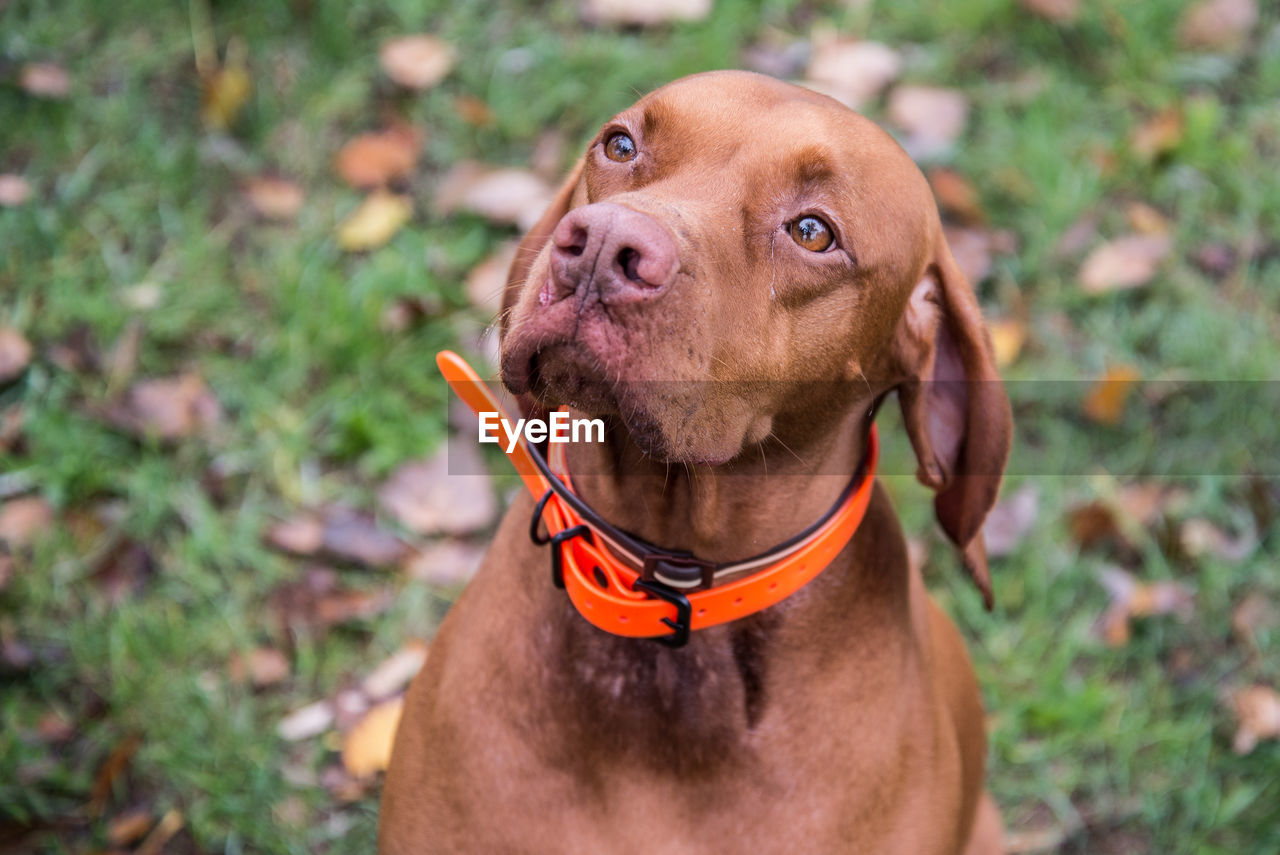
(626, 586)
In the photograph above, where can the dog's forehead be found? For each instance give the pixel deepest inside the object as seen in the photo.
(726, 114)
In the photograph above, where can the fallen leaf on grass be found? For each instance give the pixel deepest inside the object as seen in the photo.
(972, 250)
(14, 190)
(311, 720)
(1158, 135)
(1258, 712)
(123, 570)
(366, 750)
(167, 409)
(274, 198)
(317, 602)
(1146, 220)
(1252, 615)
(395, 672)
(503, 195)
(1218, 24)
(1199, 537)
(445, 564)
(852, 72)
(15, 354)
(378, 158)
(1106, 401)
(932, 117)
(120, 362)
(425, 497)
(115, 764)
(45, 80)
(473, 111)
(1010, 520)
(487, 281)
(353, 537)
(23, 520)
(374, 223)
(630, 13)
(1058, 11)
(301, 535)
(417, 62)
(55, 727)
(225, 90)
(12, 421)
(169, 825)
(129, 827)
(409, 311)
(956, 196)
(262, 667)
(1007, 337)
(1124, 263)
(1131, 599)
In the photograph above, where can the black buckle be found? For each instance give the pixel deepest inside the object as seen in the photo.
(535, 534)
(678, 571)
(680, 627)
(557, 554)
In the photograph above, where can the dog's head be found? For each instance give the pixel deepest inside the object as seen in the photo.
(733, 253)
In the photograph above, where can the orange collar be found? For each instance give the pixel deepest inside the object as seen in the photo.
(625, 586)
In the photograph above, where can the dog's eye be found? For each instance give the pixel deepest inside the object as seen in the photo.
(812, 233)
(620, 147)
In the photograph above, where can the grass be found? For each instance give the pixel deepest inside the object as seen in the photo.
(1126, 748)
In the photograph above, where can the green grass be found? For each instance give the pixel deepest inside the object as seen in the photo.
(322, 403)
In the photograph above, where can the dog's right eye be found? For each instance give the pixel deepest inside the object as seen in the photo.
(812, 233)
(620, 147)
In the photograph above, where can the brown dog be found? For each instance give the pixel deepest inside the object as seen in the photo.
(734, 275)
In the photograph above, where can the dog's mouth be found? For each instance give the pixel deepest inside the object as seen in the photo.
(567, 374)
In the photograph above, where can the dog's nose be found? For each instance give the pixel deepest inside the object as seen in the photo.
(623, 254)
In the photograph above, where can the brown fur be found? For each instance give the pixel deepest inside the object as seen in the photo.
(843, 720)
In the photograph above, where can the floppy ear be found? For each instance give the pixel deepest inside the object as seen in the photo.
(954, 406)
(534, 241)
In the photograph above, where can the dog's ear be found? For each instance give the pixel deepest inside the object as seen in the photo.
(954, 406)
(534, 241)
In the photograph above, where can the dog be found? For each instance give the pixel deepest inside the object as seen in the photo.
(733, 277)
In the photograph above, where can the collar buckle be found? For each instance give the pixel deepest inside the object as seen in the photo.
(683, 573)
(681, 626)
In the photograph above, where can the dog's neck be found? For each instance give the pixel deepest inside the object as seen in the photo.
(770, 492)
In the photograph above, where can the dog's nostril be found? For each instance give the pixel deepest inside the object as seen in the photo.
(578, 243)
(629, 261)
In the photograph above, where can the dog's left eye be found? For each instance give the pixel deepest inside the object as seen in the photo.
(812, 233)
(620, 147)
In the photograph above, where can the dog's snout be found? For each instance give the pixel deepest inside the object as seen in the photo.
(621, 253)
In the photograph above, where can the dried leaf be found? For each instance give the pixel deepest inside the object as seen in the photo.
(129, 827)
(12, 420)
(24, 520)
(1092, 523)
(1251, 616)
(111, 769)
(14, 190)
(15, 354)
(446, 564)
(408, 311)
(425, 497)
(1258, 711)
(1007, 337)
(167, 409)
(417, 62)
(55, 727)
(45, 80)
(377, 159)
(1146, 220)
(1106, 400)
(1158, 135)
(1010, 520)
(630, 13)
(169, 825)
(374, 223)
(503, 195)
(366, 750)
(311, 720)
(123, 570)
(1214, 259)
(488, 280)
(1058, 11)
(121, 360)
(302, 535)
(1198, 537)
(956, 196)
(1079, 235)
(225, 91)
(263, 666)
(355, 538)
(1126, 262)
(274, 198)
(316, 602)
(395, 672)
(971, 249)
(932, 117)
(1131, 599)
(473, 111)
(1218, 24)
(852, 72)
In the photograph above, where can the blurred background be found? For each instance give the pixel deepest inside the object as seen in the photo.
(234, 234)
